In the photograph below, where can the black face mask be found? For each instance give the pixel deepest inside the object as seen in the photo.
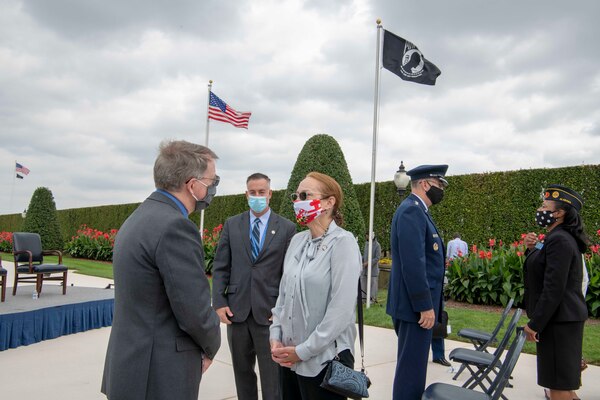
(545, 218)
(435, 194)
(205, 202)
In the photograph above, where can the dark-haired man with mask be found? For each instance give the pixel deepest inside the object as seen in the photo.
(246, 273)
(415, 287)
(165, 332)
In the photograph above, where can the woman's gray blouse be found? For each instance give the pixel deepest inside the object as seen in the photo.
(316, 306)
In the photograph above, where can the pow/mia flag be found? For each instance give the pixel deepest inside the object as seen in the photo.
(405, 60)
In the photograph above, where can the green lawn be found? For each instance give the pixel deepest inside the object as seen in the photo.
(83, 266)
(485, 320)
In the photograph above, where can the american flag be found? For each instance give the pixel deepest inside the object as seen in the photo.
(21, 168)
(220, 111)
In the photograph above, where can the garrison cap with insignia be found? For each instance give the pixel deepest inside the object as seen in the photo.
(429, 171)
(564, 195)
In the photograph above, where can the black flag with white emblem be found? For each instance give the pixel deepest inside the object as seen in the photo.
(405, 60)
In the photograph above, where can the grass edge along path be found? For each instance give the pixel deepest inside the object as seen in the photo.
(101, 269)
(485, 320)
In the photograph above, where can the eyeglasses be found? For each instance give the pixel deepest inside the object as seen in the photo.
(301, 196)
(215, 180)
(439, 184)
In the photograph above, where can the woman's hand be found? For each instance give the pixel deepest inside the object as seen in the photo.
(532, 336)
(284, 356)
(530, 240)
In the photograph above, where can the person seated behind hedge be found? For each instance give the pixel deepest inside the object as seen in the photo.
(375, 256)
(313, 319)
(456, 247)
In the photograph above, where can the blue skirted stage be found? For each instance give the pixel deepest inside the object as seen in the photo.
(24, 320)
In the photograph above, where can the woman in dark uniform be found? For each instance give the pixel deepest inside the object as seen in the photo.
(555, 305)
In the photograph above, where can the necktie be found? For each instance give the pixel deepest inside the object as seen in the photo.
(255, 239)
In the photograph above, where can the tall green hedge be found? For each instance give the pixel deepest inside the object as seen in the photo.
(479, 206)
(322, 153)
(41, 219)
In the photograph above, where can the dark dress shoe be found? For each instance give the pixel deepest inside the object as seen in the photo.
(442, 361)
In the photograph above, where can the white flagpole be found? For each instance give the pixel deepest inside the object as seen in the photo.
(12, 188)
(206, 144)
(373, 162)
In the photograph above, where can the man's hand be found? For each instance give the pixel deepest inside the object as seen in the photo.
(532, 336)
(223, 313)
(530, 240)
(206, 362)
(427, 320)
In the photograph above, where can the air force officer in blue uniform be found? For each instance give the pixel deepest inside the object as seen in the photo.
(415, 288)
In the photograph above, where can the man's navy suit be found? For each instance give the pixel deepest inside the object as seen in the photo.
(250, 289)
(415, 285)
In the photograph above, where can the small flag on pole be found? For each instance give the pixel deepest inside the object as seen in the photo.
(405, 60)
(19, 176)
(21, 168)
(220, 111)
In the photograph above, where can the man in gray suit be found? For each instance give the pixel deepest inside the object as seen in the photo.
(165, 333)
(246, 272)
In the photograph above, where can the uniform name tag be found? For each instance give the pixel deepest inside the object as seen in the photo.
(435, 235)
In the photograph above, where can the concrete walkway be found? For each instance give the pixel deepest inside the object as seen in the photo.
(70, 367)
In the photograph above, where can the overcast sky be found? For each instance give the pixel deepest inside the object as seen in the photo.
(88, 89)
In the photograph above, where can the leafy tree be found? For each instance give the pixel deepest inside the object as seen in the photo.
(322, 153)
(41, 218)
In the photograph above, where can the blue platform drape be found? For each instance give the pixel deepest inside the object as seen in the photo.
(22, 329)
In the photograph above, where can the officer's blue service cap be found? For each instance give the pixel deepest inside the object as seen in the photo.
(429, 171)
(564, 195)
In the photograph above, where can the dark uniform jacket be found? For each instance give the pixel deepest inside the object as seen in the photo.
(163, 320)
(245, 285)
(416, 280)
(553, 277)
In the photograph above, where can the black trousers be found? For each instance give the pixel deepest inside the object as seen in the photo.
(249, 342)
(298, 387)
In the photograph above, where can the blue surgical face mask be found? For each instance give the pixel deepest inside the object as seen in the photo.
(257, 203)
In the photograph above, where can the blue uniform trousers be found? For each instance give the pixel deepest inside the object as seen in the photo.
(437, 348)
(411, 366)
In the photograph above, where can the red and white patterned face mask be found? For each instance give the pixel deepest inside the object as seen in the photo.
(307, 210)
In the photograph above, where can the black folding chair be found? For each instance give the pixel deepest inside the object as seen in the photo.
(480, 363)
(444, 391)
(480, 339)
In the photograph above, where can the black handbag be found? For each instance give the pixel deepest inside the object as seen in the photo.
(440, 329)
(344, 380)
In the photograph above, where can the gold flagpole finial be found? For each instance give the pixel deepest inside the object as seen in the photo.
(378, 21)
(210, 81)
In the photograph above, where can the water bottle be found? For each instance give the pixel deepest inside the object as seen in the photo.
(35, 295)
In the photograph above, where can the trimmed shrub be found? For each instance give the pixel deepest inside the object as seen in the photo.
(493, 274)
(41, 219)
(92, 244)
(488, 275)
(6, 242)
(210, 242)
(322, 153)
(592, 260)
(103, 218)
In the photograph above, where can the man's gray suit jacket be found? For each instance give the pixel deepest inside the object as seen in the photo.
(242, 284)
(163, 320)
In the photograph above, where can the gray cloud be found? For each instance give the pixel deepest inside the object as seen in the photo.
(89, 89)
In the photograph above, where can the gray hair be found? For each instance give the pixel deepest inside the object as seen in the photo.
(178, 161)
